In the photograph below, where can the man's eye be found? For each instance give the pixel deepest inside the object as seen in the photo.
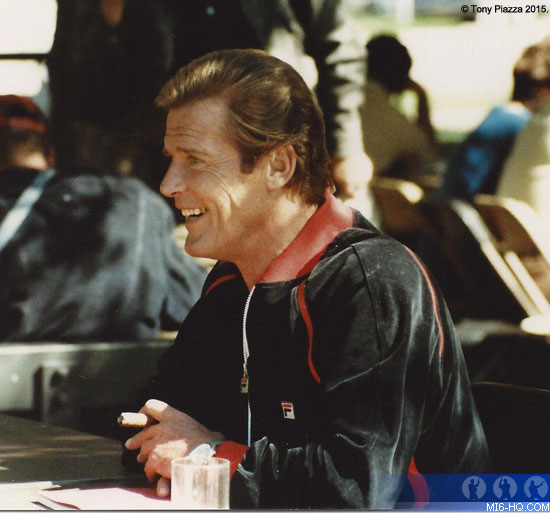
(194, 160)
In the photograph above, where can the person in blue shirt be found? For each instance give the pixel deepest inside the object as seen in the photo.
(476, 163)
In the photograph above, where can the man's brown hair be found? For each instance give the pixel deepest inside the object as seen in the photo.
(532, 70)
(269, 105)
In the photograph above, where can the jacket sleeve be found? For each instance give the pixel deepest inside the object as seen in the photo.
(378, 337)
(331, 39)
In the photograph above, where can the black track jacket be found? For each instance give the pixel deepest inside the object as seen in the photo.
(355, 371)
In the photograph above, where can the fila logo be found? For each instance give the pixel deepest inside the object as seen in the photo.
(288, 411)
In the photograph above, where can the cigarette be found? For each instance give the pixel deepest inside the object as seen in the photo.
(137, 420)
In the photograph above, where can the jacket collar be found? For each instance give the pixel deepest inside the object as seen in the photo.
(304, 252)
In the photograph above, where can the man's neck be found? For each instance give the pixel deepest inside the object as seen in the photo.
(287, 219)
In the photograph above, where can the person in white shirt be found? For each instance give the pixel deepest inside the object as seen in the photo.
(526, 174)
(397, 146)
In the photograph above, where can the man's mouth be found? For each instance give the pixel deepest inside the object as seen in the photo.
(192, 213)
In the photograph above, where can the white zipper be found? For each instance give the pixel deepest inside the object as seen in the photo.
(246, 353)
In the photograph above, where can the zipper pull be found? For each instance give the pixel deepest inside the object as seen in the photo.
(244, 380)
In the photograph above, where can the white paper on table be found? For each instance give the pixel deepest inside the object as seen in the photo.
(108, 498)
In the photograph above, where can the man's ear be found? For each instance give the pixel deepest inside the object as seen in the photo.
(281, 165)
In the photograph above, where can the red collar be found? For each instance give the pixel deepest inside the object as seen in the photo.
(331, 218)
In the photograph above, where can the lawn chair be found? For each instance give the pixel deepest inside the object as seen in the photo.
(476, 280)
(398, 204)
(520, 241)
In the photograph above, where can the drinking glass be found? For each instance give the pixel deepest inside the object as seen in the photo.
(200, 483)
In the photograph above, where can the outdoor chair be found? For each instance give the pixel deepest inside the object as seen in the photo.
(520, 241)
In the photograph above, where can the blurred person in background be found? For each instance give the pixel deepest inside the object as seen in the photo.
(526, 174)
(82, 257)
(397, 146)
(476, 163)
(110, 56)
(108, 60)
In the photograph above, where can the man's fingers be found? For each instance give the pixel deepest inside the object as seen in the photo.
(351, 188)
(347, 189)
(163, 487)
(157, 465)
(137, 440)
(155, 408)
(146, 448)
(150, 470)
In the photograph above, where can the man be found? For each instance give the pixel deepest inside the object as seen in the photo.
(85, 257)
(320, 352)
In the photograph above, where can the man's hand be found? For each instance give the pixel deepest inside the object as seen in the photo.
(351, 175)
(175, 435)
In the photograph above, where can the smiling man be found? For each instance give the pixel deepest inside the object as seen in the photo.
(321, 358)
(244, 218)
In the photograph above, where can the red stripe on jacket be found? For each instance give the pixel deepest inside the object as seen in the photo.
(309, 326)
(434, 301)
(219, 281)
(419, 486)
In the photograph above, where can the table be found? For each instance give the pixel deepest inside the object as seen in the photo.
(34, 456)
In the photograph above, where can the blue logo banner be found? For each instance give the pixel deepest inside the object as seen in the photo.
(477, 492)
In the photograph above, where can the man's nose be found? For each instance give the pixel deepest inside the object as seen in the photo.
(173, 182)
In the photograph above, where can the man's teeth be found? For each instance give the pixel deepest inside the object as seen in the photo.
(187, 212)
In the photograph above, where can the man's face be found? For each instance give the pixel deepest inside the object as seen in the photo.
(223, 207)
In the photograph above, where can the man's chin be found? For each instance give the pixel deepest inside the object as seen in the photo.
(197, 251)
